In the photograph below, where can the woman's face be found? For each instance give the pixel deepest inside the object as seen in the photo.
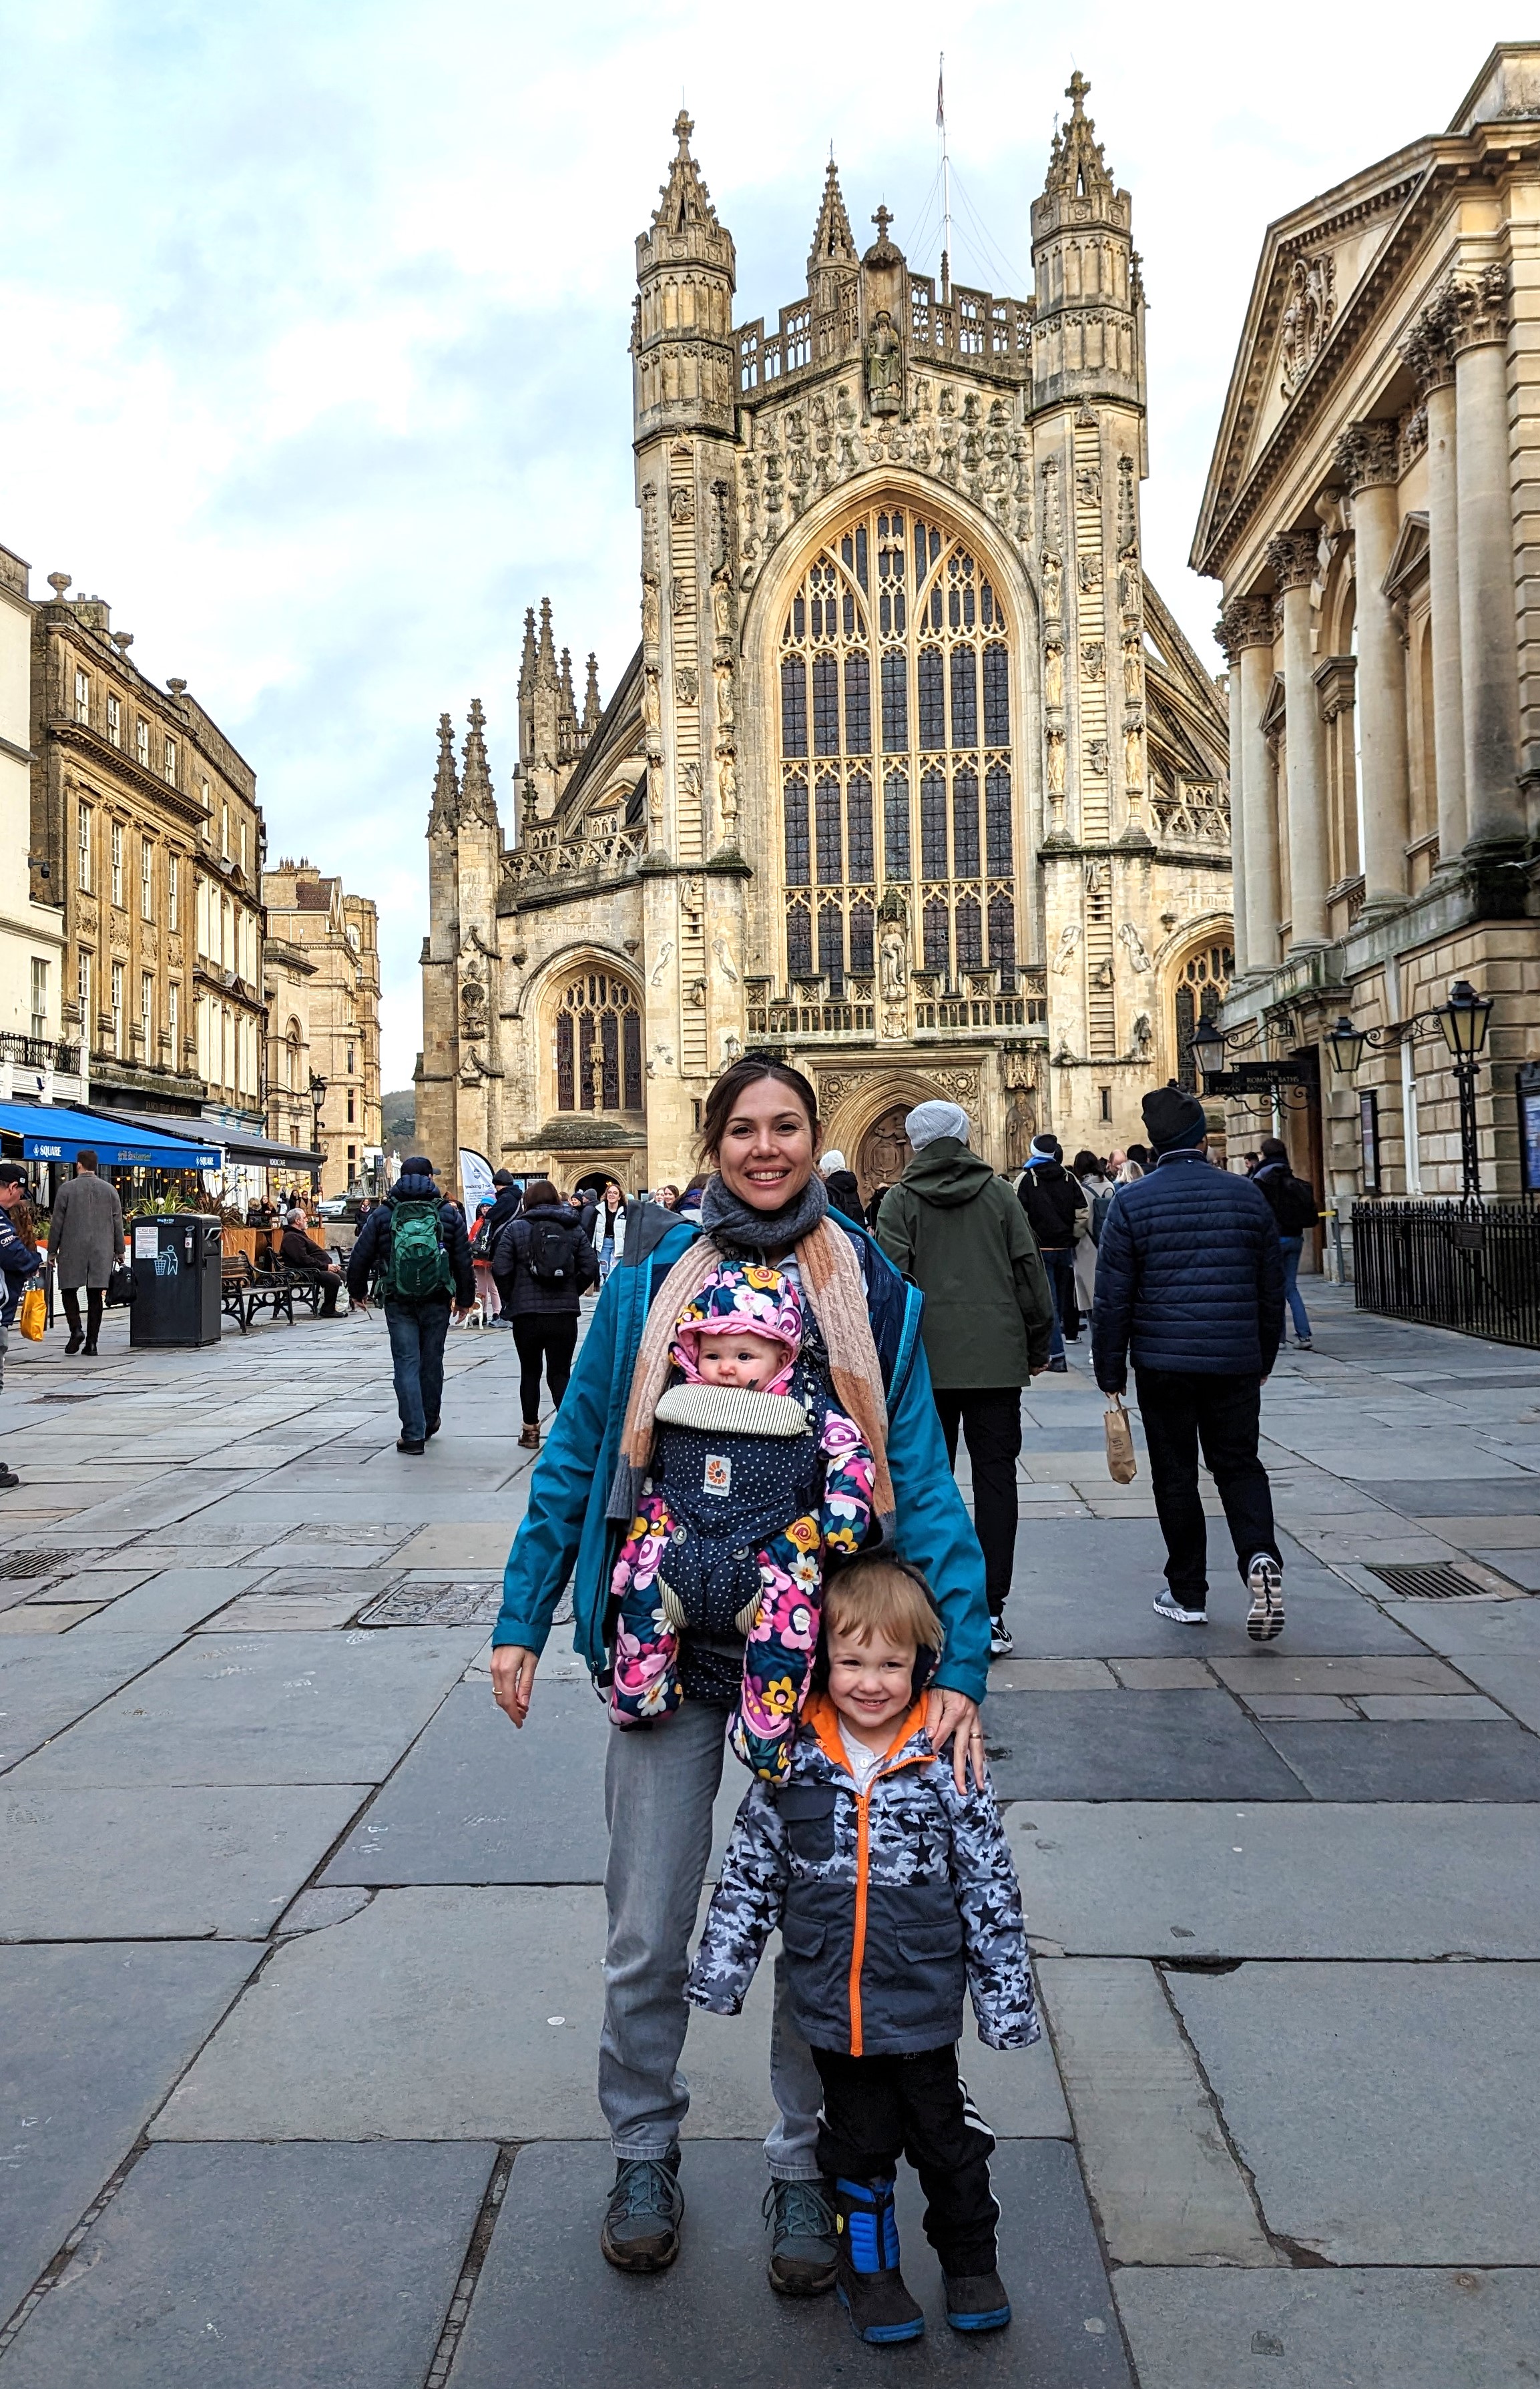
(611, 1198)
(768, 1147)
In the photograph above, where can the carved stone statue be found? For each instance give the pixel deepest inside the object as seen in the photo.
(726, 788)
(1053, 581)
(1132, 672)
(884, 367)
(893, 966)
(1133, 759)
(1128, 936)
(1052, 672)
(1056, 763)
(1064, 953)
(1143, 1039)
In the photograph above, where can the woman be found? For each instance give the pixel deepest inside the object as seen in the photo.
(766, 1202)
(609, 1229)
(541, 1262)
(1098, 1191)
(488, 1300)
(1292, 1204)
(669, 1197)
(1129, 1175)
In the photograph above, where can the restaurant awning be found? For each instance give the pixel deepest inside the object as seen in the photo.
(238, 1144)
(55, 1132)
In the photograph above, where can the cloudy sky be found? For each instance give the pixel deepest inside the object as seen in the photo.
(313, 313)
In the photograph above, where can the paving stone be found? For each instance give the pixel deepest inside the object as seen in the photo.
(49, 1616)
(91, 1864)
(282, 1612)
(379, 2028)
(1387, 2113)
(1163, 1675)
(458, 1550)
(1279, 1669)
(1451, 1709)
(1229, 1879)
(1354, 2328)
(1513, 1684)
(1051, 1676)
(1506, 1493)
(545, 2290)
(175, 1601)
(327, 1904)
(240, 2269)
(1166, 2188)
(46, 1684)
(1468, 1628)
(1412, 1761)
(263, 1708)
(1113, 1746)
(94, 2038)
(1314, 1706)
(1505, 1540)
(1521, 1568)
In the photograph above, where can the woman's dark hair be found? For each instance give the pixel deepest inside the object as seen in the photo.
(538, 1190)
(1140, 1154)
(612, 1186)
(699, 1183)
(1273, 1148)
(1088, 1166)
(24, 1223)
(744, 1073)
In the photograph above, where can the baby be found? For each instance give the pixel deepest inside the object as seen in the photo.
(756, 1481)
(892, 1890)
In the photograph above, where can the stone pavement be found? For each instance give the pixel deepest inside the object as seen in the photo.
(300, 1943)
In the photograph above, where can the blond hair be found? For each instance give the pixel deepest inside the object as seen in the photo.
(881, 1596)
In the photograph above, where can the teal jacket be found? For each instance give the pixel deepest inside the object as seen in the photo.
(565, 1532)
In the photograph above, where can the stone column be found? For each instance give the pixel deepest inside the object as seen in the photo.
(1366, 459)
(1427, 351)
(1237, 804)
(1293, 559)
(1476, 312)
(1248, 634)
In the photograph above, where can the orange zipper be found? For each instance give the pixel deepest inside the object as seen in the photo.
(858, 1943)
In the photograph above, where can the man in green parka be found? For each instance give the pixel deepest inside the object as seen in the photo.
(959, 1230)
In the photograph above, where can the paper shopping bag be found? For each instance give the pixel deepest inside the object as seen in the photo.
(1121, 1466)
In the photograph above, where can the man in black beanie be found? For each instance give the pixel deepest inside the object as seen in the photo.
(1190, 1282)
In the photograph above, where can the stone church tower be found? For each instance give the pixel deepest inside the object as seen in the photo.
(912, 778)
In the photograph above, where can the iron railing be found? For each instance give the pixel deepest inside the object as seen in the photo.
(1470, 1266)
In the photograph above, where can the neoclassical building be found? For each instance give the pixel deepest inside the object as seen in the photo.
(912, 777)
(1373, 512)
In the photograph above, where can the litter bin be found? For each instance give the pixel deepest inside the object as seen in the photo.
(176, 1279)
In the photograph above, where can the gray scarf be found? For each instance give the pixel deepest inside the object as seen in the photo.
(736, 1229)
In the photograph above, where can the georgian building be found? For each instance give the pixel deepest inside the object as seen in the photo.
(323, 973)
(912, 776)
(1372, 510)
(145, 827)
(35, 1059)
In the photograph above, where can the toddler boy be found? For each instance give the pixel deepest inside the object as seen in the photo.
(892, 1890)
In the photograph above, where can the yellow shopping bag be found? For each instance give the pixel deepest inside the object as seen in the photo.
(32, 1314)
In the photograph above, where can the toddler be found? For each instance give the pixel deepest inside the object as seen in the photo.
(891, 1889)
(756, 1480)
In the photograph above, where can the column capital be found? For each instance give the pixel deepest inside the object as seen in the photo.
(1246, 622)
(1292, 557)
(1475, 309)
(1426, 348)
(1365, 455)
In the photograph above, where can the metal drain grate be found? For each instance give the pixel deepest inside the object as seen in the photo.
(33, 1563)
(437, 1604)
(1437, 1581)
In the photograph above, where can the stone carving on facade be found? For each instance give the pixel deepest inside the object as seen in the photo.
(1133, 757)
(726, 785)
(1095, 757)
(1056, 763)
(726, 964)
(1132, 672)
(1088, 574)
(1129, 938)
(1293, 558)
(1474, 309)
(1093, 660)
(1366, 455)
(1142, 1037)
(660, 1059)
(666, 955)
(1064, 953)
(680, 503)
(1053, 671)
(686, 685)
(884, 367)
(1307, 315)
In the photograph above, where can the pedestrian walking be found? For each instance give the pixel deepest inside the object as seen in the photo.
(542, 1262)
(608, 1229)
(488, 1304)
(85, 1243)
(1053, 1204)
(1095, 1185)
(892, 1891)
(763, 1204)
(1189, 1283)
(1293, 1205)
(416, 1249)
(952, 1225)
(304, 1258)
(843, 1192)
(19, 1260)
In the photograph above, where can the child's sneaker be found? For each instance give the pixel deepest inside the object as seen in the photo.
(976, 2302)
(869, 2285)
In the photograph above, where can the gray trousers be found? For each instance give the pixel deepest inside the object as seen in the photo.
(659, 1787)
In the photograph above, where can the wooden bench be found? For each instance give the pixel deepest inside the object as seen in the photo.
(243, 1291)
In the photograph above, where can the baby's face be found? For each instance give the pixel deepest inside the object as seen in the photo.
(740, 1359)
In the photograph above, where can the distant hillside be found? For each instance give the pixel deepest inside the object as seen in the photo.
(399, 1120)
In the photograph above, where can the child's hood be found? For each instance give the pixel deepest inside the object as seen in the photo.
(745, 1298)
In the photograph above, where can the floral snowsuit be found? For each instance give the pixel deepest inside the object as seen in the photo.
(713, 1548)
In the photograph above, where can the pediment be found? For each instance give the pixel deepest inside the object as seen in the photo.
(1275, 711)
(1408, 563)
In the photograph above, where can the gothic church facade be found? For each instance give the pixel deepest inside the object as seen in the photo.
(912, 778)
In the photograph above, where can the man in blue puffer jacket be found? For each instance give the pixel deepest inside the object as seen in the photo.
(1190, 1282)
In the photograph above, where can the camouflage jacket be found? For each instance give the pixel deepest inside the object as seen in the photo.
(889, 1902)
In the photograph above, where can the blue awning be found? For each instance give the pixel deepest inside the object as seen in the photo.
(55, 1132)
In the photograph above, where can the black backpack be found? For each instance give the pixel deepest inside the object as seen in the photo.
(552, 1256)
(1294, 1206)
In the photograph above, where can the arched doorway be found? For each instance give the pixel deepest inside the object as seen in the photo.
(884, 1151)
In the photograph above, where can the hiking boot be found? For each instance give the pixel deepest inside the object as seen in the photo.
(641, 2222)
(976, 2301)
(1001, 1645)
(405, 1444)
(528, 1439)
(804, 2253)
(1264, 1583)
(869, 2284)
(1166, 1605)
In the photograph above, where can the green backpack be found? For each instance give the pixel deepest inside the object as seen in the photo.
(418, 1267)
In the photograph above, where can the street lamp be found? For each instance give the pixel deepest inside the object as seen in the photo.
(1208, 1052)
(1463, 1019)
(317, 1097)
(1346, 1045)
(1462, 1023)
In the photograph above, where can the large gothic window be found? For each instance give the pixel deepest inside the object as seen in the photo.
(598, 1045)
(1201, 985)
(897, 767)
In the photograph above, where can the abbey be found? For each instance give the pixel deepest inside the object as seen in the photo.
(912, 778)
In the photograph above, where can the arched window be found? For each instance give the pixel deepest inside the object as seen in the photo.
(598, 1045)
(291, 1055)
(895, 698)
(1202, 984)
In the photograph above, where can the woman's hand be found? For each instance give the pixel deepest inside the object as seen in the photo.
(954, 1715)
(513, 1680)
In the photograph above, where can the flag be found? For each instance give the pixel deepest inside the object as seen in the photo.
(475, 1179)
(940, 95)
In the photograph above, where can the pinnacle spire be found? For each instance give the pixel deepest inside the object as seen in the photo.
(526, 661)
(1076, 167)
(569, 702)
(477, 801)
(548, 648)
(591, 705)
(833, 242)
(446, 814)
(683, 199)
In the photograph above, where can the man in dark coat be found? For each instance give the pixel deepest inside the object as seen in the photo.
(1057, 1210)
(950, 1224)
(1190, 1282)
(299, 1253)
(435, 1247)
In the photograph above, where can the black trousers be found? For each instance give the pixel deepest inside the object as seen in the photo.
(1181, 1410)
(70, 1295)
(878, 2109)
(991, 1420)
(552, 1339)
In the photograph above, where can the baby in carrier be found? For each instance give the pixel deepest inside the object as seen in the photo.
(756, 1481)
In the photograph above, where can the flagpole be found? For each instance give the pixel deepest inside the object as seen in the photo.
(946, 186)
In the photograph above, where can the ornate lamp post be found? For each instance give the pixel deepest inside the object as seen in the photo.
(317, 1097)
(1462, 1022)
